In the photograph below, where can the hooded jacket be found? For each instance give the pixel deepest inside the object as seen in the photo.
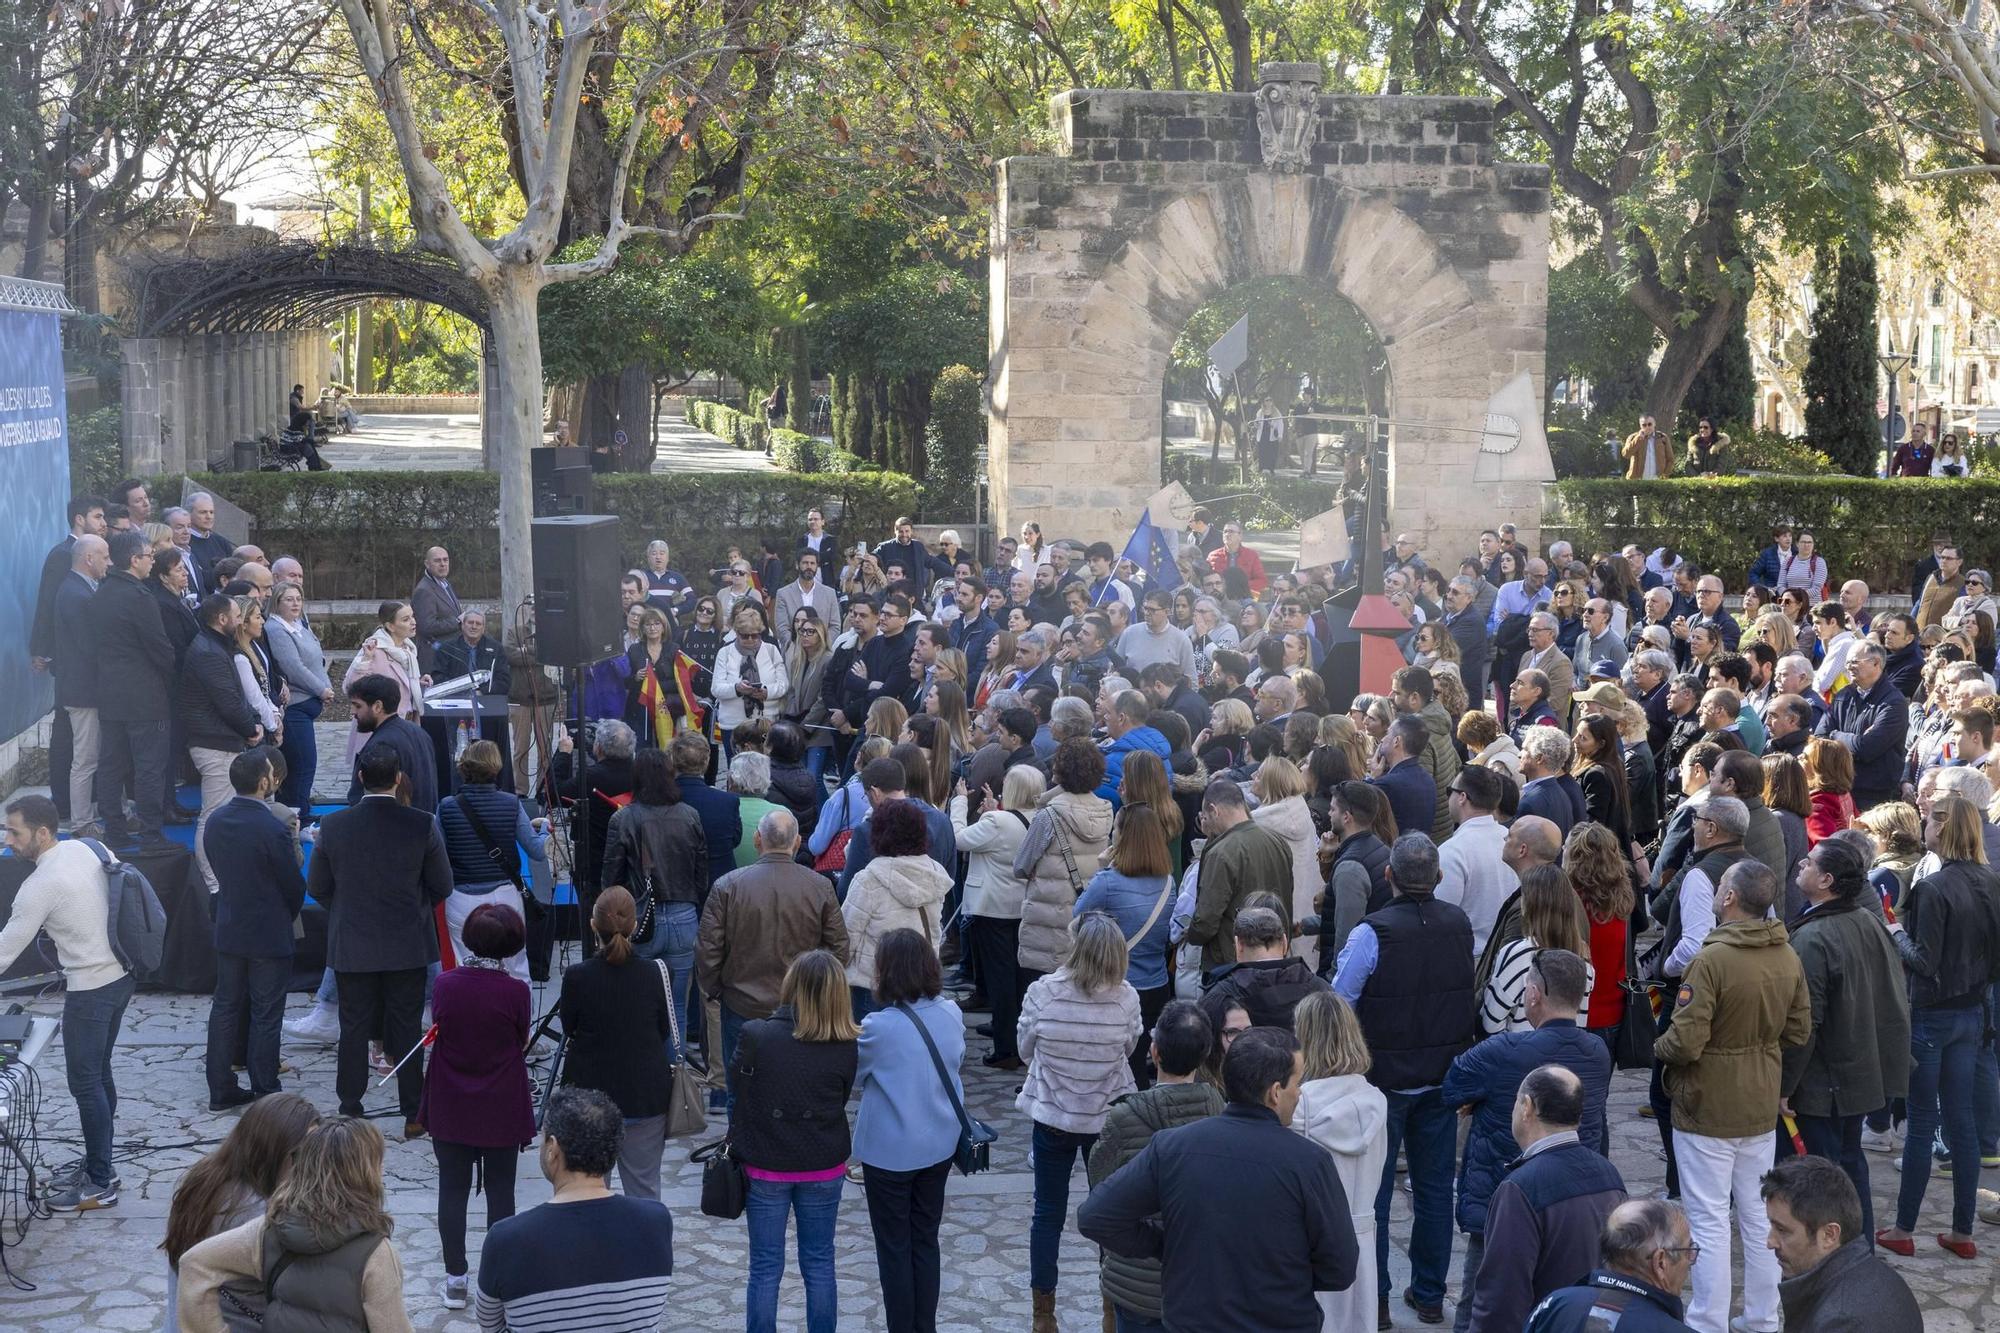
(1139, 738)
(1291, 820)
(892, 893)
(1083, 820)
(1857, 1056)
(1349, 1117)
(1133, 1285)
(343, 1283)
(1742, 998)
(1269, 989)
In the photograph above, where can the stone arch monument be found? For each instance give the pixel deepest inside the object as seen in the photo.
(1161, 200)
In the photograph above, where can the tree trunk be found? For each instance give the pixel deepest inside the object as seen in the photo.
(35, 248)
(837, 394)
(1688, 348)
(799, 387)
(911, 400)
(511, 297)
(860, 416)
(1236, 25)
(882, 450)
(618, 402)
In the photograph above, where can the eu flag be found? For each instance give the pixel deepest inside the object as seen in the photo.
(1151, 549)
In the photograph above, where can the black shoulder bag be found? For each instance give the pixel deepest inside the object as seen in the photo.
(975, 1138)
(507, 864)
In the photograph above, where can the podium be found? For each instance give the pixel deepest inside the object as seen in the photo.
(486, 714)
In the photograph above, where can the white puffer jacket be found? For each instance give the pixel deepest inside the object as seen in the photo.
(892, 893)
(1085, 820)
(1291, 820)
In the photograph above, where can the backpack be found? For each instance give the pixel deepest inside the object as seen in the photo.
(134, 919)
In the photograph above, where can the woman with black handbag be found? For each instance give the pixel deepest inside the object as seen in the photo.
(908, 1128)
(657, 849)
(788, 1130)
(485, 832)
(618, 1023)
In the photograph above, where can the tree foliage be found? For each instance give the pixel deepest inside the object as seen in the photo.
(1596, 334)
(953, 436)
(1725, 388)
(1839, 381)
(675, 315)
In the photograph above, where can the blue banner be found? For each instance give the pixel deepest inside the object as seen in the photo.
(34, 478)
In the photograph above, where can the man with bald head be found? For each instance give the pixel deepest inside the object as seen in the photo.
(758, 919)
(75, 667)
(287, 569)
(435, 604)
(260, 579)
(1854, 601)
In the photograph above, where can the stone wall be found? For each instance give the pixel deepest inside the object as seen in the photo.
(186, 397)
(1162, 201)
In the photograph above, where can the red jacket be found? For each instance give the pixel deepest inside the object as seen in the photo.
(1831, 812)
(1246, 560)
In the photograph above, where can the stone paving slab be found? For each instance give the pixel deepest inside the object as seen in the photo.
(103, 1270)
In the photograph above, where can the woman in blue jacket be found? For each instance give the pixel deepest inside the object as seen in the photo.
(906, 1129)
(1134, 891)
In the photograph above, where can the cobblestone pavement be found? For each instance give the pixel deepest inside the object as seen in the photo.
(103, 1270)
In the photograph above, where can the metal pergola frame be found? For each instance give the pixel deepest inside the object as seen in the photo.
(294, 285)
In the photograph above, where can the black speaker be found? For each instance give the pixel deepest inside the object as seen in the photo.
(576, 588)
(562, 481)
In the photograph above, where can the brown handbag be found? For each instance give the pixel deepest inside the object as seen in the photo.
(686, 1104)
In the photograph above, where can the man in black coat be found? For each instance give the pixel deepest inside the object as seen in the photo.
(1468, 630)
(1266, 979)
(135, 658)
(884, 669)
(1872, 720)
(1833, 1277)
(215, 717)
(375, 702)
(75, 668)
(1167, 687)
(1898, 634)
(606, 786)
(379, 869)
(86, 516)
(261, 894)
(1247, 1217)
(472, 649)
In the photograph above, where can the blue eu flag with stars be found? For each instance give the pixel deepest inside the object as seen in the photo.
(1152, 549)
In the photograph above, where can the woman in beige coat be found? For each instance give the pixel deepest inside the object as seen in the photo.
(389, 650)
(1065, 838)
(901, 888)
(1281, 794)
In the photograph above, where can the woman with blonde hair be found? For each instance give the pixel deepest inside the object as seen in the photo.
(888, 718)
(1947, 934)
(793, 1074)
(1450, 687)
(1829, 769)
(1144, 779)
(1371, 715)
(1486, 744)
(952, 666)
(1897, 832)
(927, 732)
(1077, 1028)
(262, 688)
(1785, 795)
(1134, 891)
(325, 1232)
(1280, 789)
(1341, 1111)
(1337, 730)
(1431, 644)
(1551, 918)
(1227, 740)
(1775, 628)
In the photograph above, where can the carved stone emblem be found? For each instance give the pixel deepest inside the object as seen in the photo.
(1288, 113)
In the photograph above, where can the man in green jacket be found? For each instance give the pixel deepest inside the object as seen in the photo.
(1240, 858)
(1857, 1057)
(1181, 1038)
(1413, 690)
(1742, 998)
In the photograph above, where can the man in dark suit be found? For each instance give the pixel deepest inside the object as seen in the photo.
(75, 668)
(379, 869)
(721, 811)
(86, 517)
(136, 657)
(376, 701)
(261, 892)
(472, 649)
(1547, 788)
(435, 604)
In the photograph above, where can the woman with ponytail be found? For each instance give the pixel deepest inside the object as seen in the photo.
(614, 1012)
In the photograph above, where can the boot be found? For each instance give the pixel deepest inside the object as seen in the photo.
(1110, 1316)
(1045, 1312)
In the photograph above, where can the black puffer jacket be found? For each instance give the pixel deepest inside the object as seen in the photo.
(213, 710)
(791, 1097)
(1268, 990)
(1133, 1285)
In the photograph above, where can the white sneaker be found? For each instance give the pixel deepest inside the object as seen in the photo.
(453, 1293)
(1882, 1140)
(319, 1024)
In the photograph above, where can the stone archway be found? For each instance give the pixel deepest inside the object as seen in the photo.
(1161, 201)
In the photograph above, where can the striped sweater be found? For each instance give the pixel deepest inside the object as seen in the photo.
(549, 1270)
(1077, 1047)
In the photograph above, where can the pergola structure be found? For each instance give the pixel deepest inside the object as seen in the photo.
(218, 342)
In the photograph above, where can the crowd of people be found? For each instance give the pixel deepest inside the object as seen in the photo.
(1251, 943)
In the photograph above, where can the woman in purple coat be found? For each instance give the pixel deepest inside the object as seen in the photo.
(476, 1104)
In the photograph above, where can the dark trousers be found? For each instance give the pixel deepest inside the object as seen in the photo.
(131, 756)
(301, 750)
(1426, 1129)
(996, 945)
(1151, 1002)
(249, 995)
(90, 1023)
(393, 1004)
(905, 1209)
(1663, 1113)
(455, 1167)
(1838, 1139)
(1055, 1156)
(62, 755)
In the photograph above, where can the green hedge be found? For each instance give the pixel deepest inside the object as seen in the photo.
(791, 450)
(1868, 529)
(363, 534)
(744, 430)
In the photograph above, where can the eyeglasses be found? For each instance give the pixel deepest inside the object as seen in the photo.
(1691, 1250)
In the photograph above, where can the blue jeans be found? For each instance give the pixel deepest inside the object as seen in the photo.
(732, 1029)
(817, 1205)
(329, 989)
(816, 761)
(90, 1029)
(1054, 1155)
(1945, 1046)
(301, 750)
(672, 941)
(1424, 1127)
